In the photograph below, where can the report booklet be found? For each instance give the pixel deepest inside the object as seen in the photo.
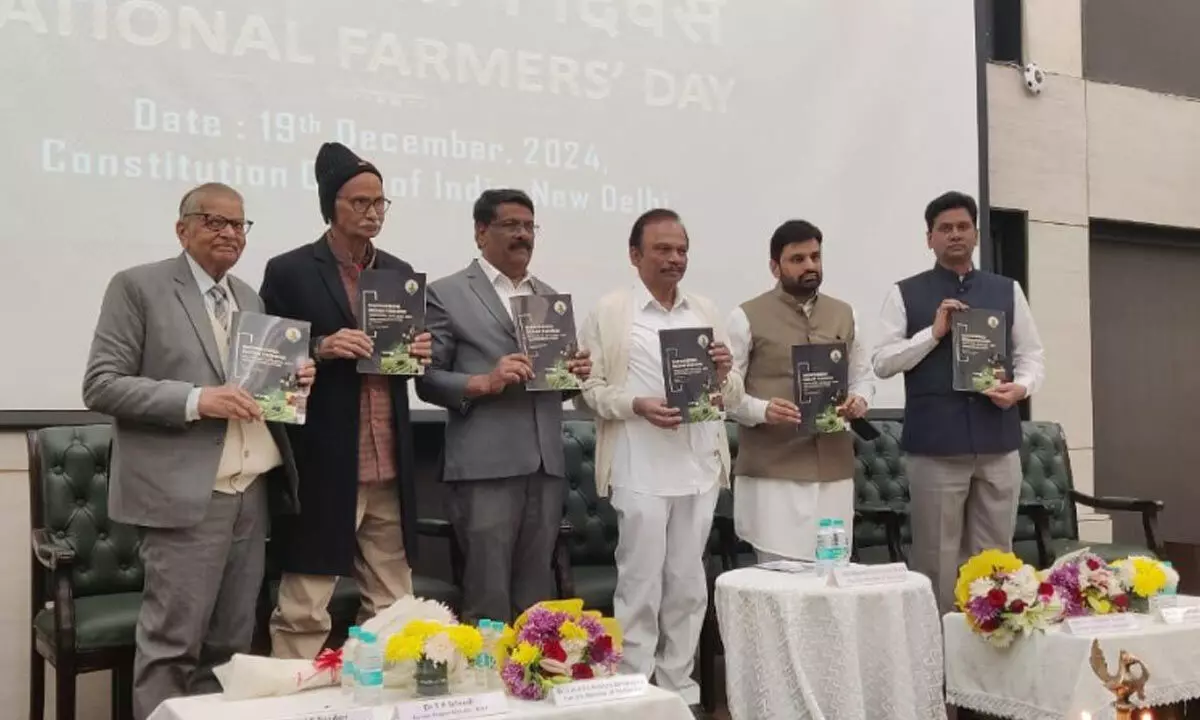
(265, 353)
(690, 375)
(980, 343)
(546, 333)
(822, 377)
(391, 311)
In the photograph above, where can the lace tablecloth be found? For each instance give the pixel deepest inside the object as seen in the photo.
(798, 649)
(1049, 676)
(656, 703)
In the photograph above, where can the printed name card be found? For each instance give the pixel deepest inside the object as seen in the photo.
(348, 714)
(1102, 624)
(585, 692)
(1180, 615)
(455, 707)
(852, 576)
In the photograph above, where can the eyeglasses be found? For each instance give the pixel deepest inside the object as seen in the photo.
(360, 205)
(512, 227)
(217, 223)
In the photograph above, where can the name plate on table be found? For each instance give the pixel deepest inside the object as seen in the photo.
(350, 714)
(586, 692)
(1102, 624)
(456, 707)
(1180, 615)
(852, 576)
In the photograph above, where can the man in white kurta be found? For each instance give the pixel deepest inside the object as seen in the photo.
(787, 481)
(663, 476)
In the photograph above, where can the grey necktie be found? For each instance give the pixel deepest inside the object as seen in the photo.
(220, 306)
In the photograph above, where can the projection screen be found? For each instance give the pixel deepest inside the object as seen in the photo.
(739, 115)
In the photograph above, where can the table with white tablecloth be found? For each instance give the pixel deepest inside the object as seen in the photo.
(797, 648)
(1049, 675)
(656, 703)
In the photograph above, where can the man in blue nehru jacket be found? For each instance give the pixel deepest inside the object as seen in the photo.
(962, 449)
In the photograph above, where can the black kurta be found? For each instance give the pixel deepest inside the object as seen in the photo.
(304, 284)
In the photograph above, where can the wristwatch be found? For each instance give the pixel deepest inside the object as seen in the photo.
(314, 346)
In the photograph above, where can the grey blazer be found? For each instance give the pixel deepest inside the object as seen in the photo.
(153, 344)
(496, 436)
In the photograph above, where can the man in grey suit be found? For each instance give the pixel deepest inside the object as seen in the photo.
(503, 452)
(194, 467)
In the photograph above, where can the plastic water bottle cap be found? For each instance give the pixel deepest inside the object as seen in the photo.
(826, 522)
(838, 522)
(367, 637)
(356, 632)
(1167, 563)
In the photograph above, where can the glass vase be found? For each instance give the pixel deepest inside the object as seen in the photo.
(433, 679)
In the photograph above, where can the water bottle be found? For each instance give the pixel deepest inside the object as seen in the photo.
(486, 670)
(369, 670)
(826, 547)
(349, 649)
(841, 543)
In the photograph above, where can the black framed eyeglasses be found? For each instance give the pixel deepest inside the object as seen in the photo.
(512, 227)
(360, 205)
(217, 223)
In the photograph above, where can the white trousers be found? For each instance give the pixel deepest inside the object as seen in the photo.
(662, 592)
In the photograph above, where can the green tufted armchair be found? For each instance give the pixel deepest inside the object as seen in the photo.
(1048, 525)
(87, 575)
(585, 558)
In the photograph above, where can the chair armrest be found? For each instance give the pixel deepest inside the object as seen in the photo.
(1039, 512)
(433, 527)
(562, 562)
(1118, 504)
(50, 553)
(727, 541)
(58, 559)
(436, 528)
(1149, 510)
(892, 519)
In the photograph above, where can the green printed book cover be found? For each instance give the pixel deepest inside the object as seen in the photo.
(392, 314)
(265, 355)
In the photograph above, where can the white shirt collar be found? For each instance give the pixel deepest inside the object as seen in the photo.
(494, 276)
(203, 280)
(643, 299)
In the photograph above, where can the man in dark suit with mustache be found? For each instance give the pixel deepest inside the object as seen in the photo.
(503, 452)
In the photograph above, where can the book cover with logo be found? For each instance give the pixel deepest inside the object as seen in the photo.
(690, 374)
(391, 311)
(265, 354)
(980, 343)
(546, 333)
(822, 378)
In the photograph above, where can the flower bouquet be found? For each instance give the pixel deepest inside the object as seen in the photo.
(554, 643)
(1087, 585)
(436, 650)
(1143, 578)
(1003, 597)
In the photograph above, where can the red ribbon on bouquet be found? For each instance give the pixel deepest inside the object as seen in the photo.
(328, 660)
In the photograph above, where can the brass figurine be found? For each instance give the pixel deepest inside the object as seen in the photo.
(1124, 684)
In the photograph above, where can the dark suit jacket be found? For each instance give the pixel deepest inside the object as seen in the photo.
(510, 434)
(304, 284)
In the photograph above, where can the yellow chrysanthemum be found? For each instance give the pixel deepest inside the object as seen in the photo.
(613, 628)
(505, 643)
(1149, 578)
(401, 647)
(525, 654)
(571, 631)
(572, 607)
(466, 639)
(422, 629)
(982, 565)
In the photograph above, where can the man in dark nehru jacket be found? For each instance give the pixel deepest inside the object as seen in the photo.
(355, 452)
(962, 449)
